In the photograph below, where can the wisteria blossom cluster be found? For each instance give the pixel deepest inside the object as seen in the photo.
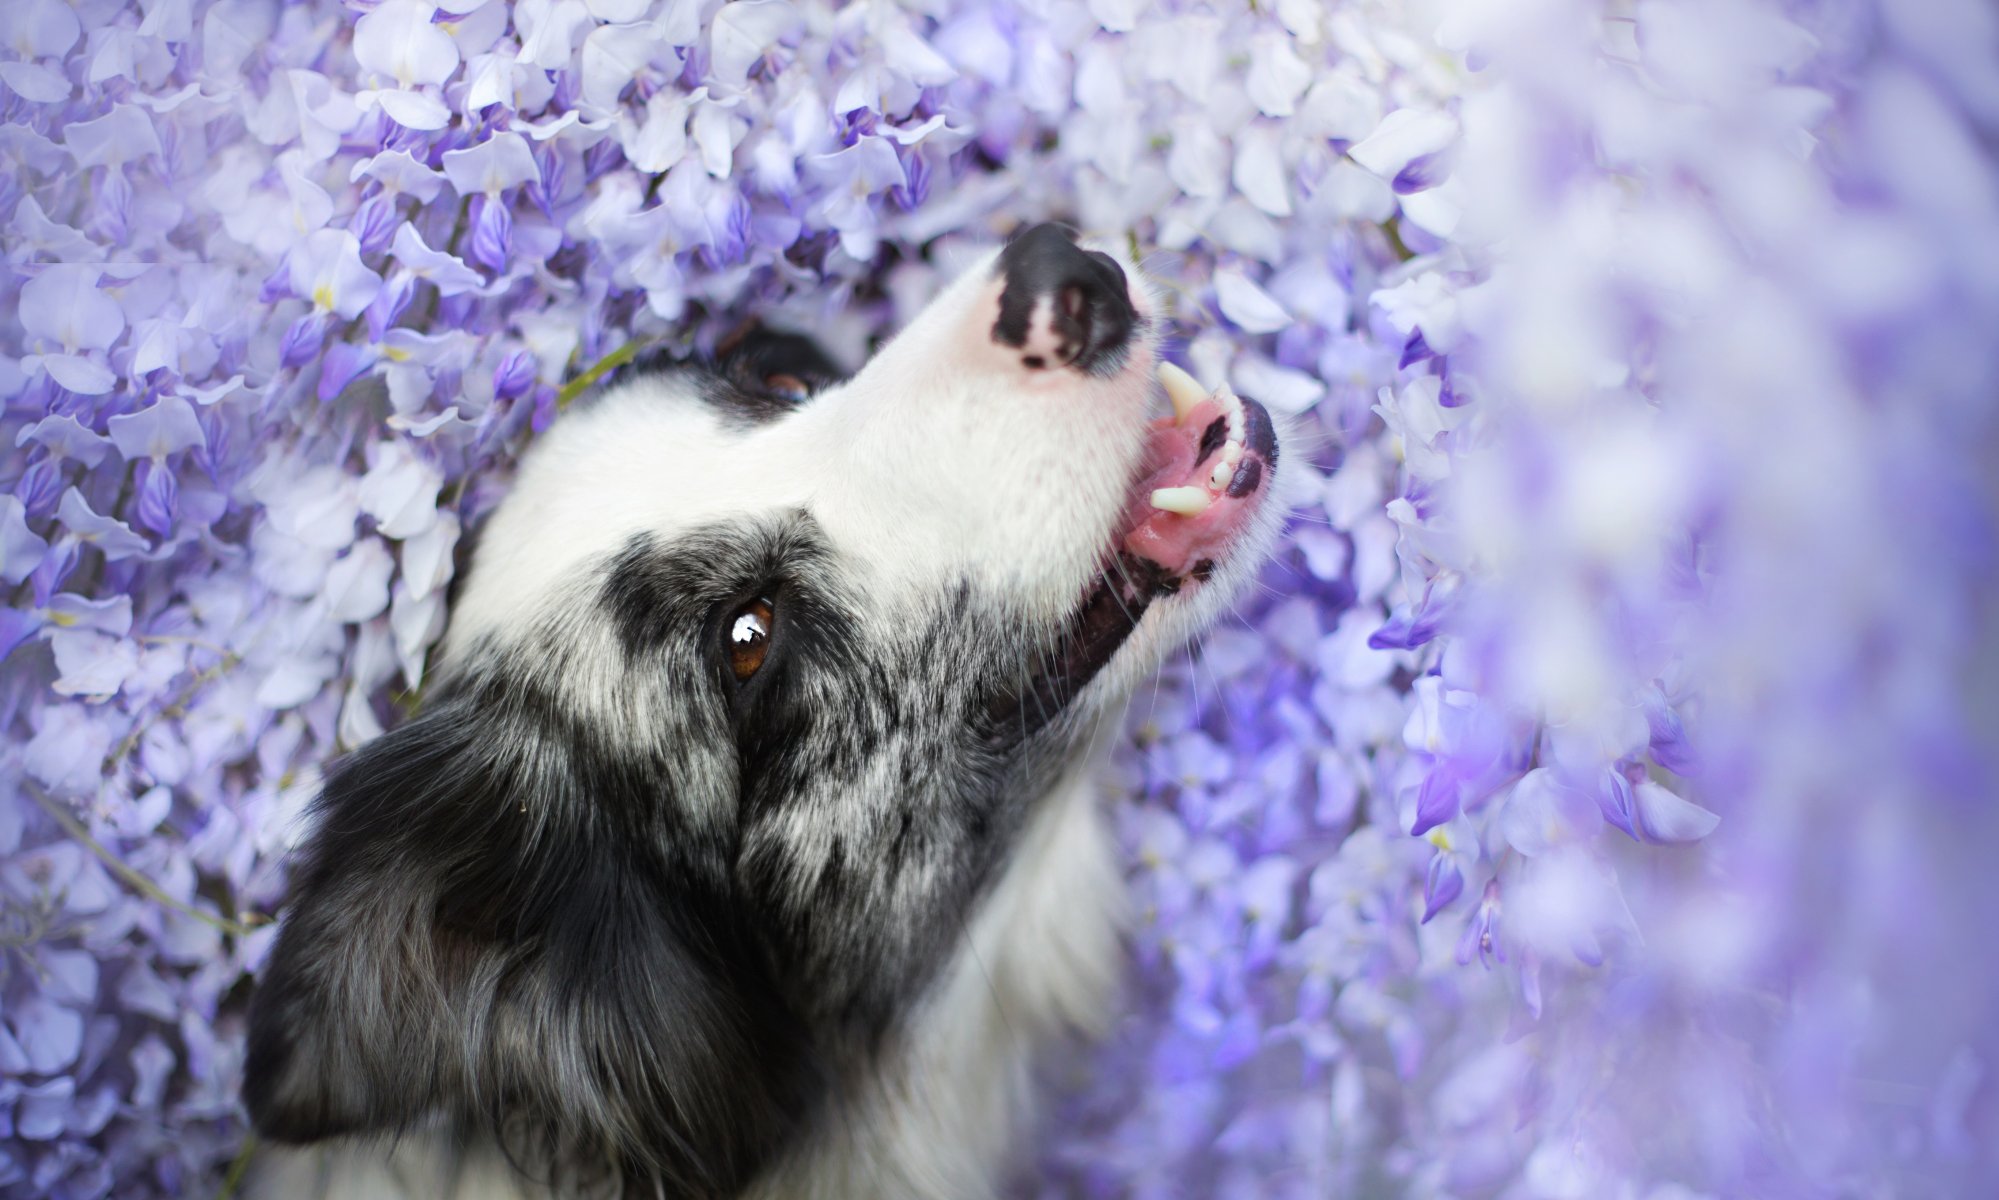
(1596, 801)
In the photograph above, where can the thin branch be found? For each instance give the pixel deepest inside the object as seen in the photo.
(139, 883)
(238, 1168)
(602, 367)
(178, 705)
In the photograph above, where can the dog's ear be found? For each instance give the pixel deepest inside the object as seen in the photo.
(473, 932)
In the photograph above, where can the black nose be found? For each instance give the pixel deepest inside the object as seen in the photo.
(1087, 318)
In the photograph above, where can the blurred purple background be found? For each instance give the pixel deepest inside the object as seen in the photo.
(1597, 801)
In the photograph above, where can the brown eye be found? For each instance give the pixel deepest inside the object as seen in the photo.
(749, 638)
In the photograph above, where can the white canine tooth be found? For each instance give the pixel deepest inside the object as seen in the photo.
(1232, 453)
(1182, 389)
(1232, 409)
(1187, 501)
(1219, 478)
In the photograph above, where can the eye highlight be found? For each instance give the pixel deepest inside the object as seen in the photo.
(749, 638)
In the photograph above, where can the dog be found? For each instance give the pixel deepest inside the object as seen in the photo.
(747, 843)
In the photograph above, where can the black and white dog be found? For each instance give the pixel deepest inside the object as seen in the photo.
(747, 845)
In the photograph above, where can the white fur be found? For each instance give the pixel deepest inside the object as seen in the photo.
(1041, 958)
(942, 459)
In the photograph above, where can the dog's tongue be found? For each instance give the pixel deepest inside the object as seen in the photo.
(1205, 466)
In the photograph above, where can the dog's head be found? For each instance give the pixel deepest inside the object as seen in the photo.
(744, 701)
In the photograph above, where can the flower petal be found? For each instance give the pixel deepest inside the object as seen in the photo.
(398, 41)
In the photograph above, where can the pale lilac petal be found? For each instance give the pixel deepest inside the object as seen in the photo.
(716, 130)
(357, 585)
(113, 537)
(64, 437)
(1403, 136)
(549, 30)
(491, 167)
(42, 28)
(295, 680)
(29, 148)
(427, 561)
(1661, 816)
(342, 364)
(1277, 77)
(207, 396)
(1260, 173)
(69, 976)
(414, 110)
(398, 41)
(489, 81)
(612, 55)
(1199, 159)
(43, 1107)
(1250, 307)
(1443, 882)
(416, 623)
(164, 428)
(21, 549)
(112, 615)
(397, 171)
(400, 492)
(35, 83)
(79, 374)
(1280, 389)
(152, 1063)
(311, 207)
(32, 231)
(1117, 16)
(658, 143)
(448, 421)
(740, 33)
(49, 1033)
(937, 131)
(90, 664)
(125, 134)
(492, 240)
(908, 56)
(1541, 813)
(327, 269)
(63, 305)
(450, 276)
(156, 346)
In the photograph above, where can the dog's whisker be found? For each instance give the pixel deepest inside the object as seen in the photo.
(748, 828)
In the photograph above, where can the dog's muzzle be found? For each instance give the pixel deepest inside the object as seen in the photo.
(1063, 306)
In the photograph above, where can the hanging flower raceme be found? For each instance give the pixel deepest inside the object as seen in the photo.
(1602, 717)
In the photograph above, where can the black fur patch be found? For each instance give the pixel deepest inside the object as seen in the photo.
(758, 375)
(762, 374)
(501, 916)
(1101, 625)
(612, 908)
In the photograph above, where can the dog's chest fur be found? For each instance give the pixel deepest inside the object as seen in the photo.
(943, 1114)
(746, 844)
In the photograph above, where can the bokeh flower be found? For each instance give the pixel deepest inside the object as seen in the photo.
(1614, 710)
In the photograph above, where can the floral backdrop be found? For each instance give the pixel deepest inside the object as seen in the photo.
(1596, 800)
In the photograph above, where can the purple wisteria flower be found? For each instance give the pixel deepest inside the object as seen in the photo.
(1597, 799)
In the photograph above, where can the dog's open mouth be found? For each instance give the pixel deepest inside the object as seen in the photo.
(1204, 475)
(1202, 480)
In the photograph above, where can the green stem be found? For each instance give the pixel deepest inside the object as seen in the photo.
(179, 704)
(1392, 230)
(238, 1168)
(602, 367)
(139, 883)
